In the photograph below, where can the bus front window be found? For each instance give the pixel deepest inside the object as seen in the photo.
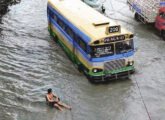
(102, 51)
(124, 47)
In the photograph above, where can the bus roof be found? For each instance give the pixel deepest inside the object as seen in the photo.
(85, 18)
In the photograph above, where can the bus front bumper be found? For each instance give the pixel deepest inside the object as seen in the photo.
(110, 77)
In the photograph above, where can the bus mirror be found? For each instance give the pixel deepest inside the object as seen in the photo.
(136, 49)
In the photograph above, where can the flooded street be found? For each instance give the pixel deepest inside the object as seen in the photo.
(31, 62)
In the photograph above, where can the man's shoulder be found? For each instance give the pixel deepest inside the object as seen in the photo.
(49, 94)
(46, 95)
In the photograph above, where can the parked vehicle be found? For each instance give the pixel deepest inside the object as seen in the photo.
(99, 47)
(150, 11)
(95, 4)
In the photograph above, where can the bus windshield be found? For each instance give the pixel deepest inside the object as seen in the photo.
(102, 50)
(124, 46)
(109, 49)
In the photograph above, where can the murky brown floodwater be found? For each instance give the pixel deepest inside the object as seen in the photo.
(31, 62)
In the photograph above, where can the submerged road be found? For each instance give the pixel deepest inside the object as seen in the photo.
(31, 62)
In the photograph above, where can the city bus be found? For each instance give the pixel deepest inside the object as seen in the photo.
(98, 47)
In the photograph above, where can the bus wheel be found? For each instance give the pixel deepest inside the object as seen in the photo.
(55, 38)
(163, 34)
(80, 68)
(137, 17)
(91, 80)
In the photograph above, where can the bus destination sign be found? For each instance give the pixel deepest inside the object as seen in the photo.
(114, 38)
(114, 29)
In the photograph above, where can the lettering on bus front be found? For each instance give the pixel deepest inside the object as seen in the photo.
(114, 38)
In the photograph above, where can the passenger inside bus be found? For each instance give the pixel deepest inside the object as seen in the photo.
(123, 47)
(102, 51)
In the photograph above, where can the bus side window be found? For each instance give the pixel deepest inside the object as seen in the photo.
(55, 18)
(61, 24)
(82, 44)
(75, 39)
(69, 32)
(51, 14)
(48, 11)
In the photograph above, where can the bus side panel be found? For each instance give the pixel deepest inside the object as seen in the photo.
(68, 46)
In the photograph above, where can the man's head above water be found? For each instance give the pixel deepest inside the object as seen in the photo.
(49, 90)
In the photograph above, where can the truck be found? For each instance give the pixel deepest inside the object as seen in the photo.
(149, 11)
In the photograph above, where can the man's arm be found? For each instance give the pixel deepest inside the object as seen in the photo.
(54, 95)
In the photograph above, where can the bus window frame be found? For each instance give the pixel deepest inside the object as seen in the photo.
(70, 31)
(114, 52)
(62, 26)
(130, 42)
(55, 18)
(51, 14)
(79, 39)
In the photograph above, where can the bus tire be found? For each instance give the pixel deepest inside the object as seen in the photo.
(80, 68)
(163, 34)
(137, 17)
(55, 38)
(91, 80)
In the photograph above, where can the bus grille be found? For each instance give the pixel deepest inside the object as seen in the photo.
(114, 65)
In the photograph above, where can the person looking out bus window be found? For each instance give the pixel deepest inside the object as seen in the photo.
(123, 47)
(55, 102)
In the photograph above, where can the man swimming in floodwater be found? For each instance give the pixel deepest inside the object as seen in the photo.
(56, 103)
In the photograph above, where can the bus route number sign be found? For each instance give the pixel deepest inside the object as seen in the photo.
(114, 38)
(113, 29)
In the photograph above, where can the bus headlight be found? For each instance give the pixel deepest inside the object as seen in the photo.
(96, 70)
(130, 63)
